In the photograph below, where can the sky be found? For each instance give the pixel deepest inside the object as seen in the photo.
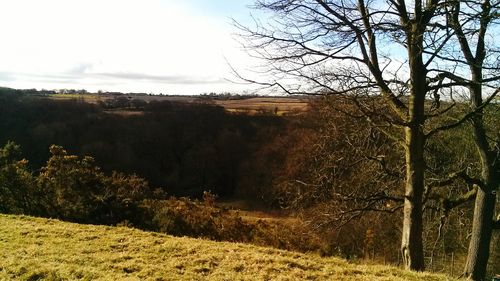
(150, 46)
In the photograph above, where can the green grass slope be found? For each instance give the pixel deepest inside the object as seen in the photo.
(42, 249)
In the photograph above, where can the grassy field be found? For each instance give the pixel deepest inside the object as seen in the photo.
(90, 98)
(41, 249)
(279, 106)
(252, 105)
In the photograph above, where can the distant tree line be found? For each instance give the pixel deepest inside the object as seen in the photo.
(183, 148)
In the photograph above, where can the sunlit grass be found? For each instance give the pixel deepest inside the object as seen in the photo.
(83, 97)
(41, 249)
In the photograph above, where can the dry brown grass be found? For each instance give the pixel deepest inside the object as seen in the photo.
(279, 106)
(42, 249)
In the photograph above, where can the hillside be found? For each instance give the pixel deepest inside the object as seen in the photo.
(42, 249)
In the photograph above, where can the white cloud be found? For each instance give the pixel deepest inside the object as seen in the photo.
(115, 45)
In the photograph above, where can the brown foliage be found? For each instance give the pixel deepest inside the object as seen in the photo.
(182, 216)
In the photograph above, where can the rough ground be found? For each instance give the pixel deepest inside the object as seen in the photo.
(42, 249)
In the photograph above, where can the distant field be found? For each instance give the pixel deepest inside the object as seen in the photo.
(278, 106)
(41, 249)
(87, 98)
(254, 105)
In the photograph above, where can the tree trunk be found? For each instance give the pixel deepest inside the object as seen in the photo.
(482, 227)
(484, 210)
(411, 245)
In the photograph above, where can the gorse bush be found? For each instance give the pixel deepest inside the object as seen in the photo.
(125, 194)
(69, 187)
(16, 182)
(74, 187)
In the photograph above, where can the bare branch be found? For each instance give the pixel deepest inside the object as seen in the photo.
(465, 118)
(451, 203)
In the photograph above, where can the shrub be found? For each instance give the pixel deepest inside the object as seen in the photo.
(15, 181)
(182, 216)
(185, 217)
(73, 186)
(75, 189)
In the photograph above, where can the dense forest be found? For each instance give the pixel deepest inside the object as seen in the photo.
(183, 148)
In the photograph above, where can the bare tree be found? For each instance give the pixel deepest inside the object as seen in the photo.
(471, 22)
(477, 67)
(387, 57)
